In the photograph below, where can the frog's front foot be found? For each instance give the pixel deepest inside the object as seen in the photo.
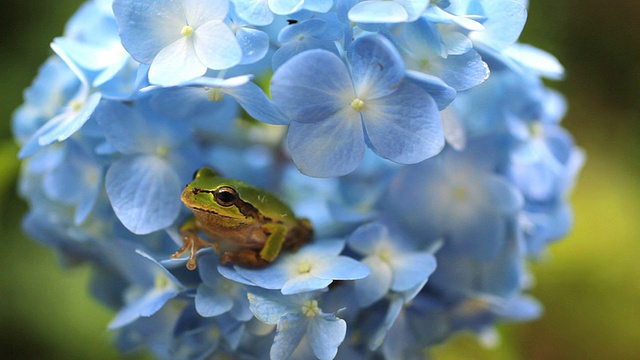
(192, 242)
(244, 257)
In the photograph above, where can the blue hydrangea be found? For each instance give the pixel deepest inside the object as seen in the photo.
(417, 137)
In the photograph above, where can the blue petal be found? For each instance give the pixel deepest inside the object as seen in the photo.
(267, 310)
(372, 11)
(395, 307)
(144, 192)
(146, 305)
(411, 269)
(291, 329)
(129, 129)
(271, 277)
(61, 127)
(442, 93)
(254, 44)
(405, 126)
(143, 26)
(377, 284)
(312, 86)
(231, 274)
(210, 302)
(339, 268)
(376, 66)
(328, 148)
(366, 237)
(254, 12)
(505, 21)
(462, 72)
(326, 333)
(304, 283)
(285, 7)
(255, 102)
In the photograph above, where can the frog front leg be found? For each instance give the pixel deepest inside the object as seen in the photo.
(272, 247)
(192, 242)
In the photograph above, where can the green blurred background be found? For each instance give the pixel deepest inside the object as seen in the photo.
(589, 283)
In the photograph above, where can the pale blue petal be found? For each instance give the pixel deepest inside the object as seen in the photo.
(148, 27)
(254, 12)
(505, 21)
(326, 333)
(271, 277)
(267, 310)
(339, 268)
(535, 59)
(176, 63)
(210, 302)
(312, 86)
(144, 192)
(320, 6)
(87, 56)
(254, 44)
(230, 273)
(366, 237)
(285, 7)
(376, 66)
(128, 128)
(303, 283)
(219, 82)
(61, 127)
(414, 8)
(411, 269)
(377, 284)
(442, 93)
(216, 46)
(328, 148)
(521, 308)
(461, 72)
(503, 195)
(372, 11)
(198, 12)
(322, 248)
(395, 308)
(405, 126)
(146, 305)
(291, 329)
(256, 103)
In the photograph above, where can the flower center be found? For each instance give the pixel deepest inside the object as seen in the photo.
(304, 267)
(357, 104)
(75, 105)
(161, 282)
(384, 255)
(214, 94)
(162, 151)
(310, 308)
(187, 31)
(460, 193)
(536, 129)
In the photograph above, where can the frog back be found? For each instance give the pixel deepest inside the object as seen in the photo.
(268, 204)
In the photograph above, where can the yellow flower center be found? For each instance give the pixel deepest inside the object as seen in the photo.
(187, 31)
(162, 151)
(460, 193)
(214, 94)
(304, 267)
(310, 308)
(75, 105)
(357, 105)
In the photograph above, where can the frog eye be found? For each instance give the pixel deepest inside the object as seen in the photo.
(225, 196)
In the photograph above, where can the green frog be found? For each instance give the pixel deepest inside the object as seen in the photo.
(247, 225)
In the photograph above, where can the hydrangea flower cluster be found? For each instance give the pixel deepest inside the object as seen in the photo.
(416, 136)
